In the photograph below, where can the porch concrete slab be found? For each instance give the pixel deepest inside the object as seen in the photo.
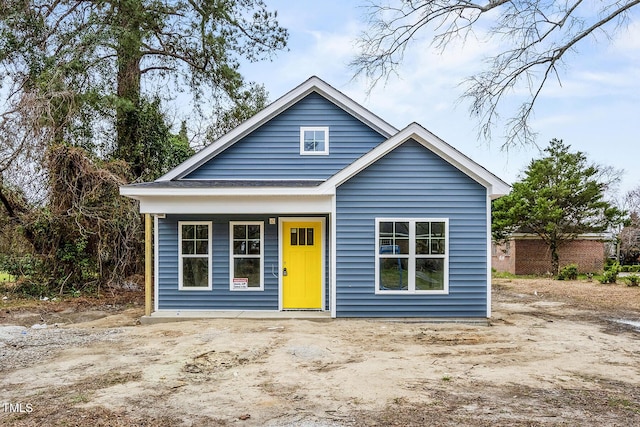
(177, 316)
(165, 316)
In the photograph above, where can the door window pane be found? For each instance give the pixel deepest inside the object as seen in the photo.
(302, 237)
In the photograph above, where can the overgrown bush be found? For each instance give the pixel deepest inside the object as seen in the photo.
(609, 262)
(86, 235)
(93, 235)
(19, 266)
(630, 268)
(568, 272)
(610, 274)
(632, 280)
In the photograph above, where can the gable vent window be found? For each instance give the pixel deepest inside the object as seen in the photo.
(314, 141)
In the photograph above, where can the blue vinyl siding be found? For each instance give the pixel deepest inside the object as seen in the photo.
(411, 182)
(273, 150)
(220, 297)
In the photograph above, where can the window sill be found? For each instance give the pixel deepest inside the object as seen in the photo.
(443, 292)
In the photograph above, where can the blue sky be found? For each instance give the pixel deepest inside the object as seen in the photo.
(596, 110)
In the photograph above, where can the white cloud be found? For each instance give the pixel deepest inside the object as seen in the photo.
(627, 40)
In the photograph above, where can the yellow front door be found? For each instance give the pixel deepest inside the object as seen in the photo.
(301, 265)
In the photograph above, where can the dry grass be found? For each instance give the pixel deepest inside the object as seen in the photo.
(581, 294)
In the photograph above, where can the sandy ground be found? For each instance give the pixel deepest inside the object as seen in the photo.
(553, 355)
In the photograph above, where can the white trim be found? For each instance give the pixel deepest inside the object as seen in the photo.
(313, 84)
(279, 264)
(412, 257)
(181, 256)
(414, 131)
(333, 258)
(156, 260)
(324, 129)
(233, 256)
(322, 221)
(276, 205)
(141, 192)
(489, 254)
(257, 180)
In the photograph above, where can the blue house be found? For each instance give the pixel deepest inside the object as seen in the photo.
(315, 203)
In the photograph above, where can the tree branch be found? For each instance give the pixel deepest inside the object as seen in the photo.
(541, 33)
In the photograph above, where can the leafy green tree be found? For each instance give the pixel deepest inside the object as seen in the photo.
(560, 197)
(80, 113)
(246, 105)
(73, 52)
(156, 147)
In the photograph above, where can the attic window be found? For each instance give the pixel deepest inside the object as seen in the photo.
(314, 141)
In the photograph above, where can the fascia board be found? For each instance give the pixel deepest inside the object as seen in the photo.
(475, 171)
(496, 186)
(312, 84)
(353, 108)
(234, 204)
(137, 193)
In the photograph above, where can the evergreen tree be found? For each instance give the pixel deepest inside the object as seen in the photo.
(560, 197)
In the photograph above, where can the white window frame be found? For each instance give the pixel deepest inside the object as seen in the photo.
(412, 256)
(304, 152)
(233, 256)
(182, 256)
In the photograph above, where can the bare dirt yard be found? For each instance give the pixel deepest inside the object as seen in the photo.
(553, 355)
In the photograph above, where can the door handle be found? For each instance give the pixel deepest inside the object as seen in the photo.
(284, 271)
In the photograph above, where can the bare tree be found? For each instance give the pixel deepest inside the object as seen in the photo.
(535, 38)
(632, 200)
(629, 236)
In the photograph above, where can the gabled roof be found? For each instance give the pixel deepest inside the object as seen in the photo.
(171, 183)
(495, 185)
(313, 84)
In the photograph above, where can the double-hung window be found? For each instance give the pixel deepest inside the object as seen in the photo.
(194, 255)
(247, 256)
(412, 255)
(314, 141)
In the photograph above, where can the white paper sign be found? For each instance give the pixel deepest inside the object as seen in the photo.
(240, 283)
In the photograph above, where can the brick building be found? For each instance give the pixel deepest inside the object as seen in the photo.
(528, 254)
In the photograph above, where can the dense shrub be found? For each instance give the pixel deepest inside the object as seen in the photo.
(19, 266)
(85, 236)
(568, 272)
(610, 274)
(633, 280)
